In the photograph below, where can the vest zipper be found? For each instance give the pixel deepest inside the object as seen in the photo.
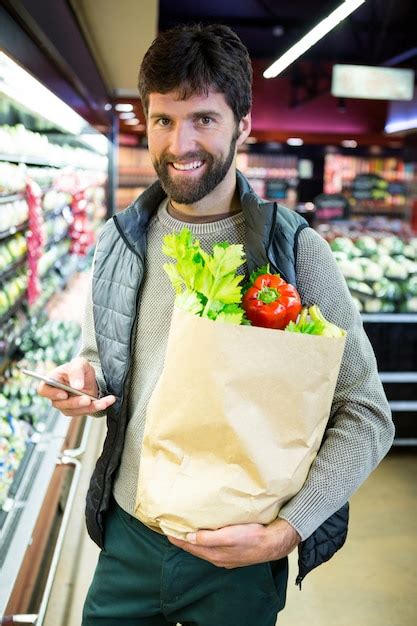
(271, 236)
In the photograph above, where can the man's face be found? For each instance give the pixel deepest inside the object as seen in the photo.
(192, 143)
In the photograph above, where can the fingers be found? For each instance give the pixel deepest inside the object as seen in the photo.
(77, 370)
(76, 406)
(52, 393)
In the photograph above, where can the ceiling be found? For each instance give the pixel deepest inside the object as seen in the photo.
(99, 45)
(377, 33)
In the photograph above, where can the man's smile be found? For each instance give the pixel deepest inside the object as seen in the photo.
(188, 166)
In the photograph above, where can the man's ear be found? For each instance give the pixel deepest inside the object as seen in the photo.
(245, 126)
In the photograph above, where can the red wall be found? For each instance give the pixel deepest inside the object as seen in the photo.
(271, 110)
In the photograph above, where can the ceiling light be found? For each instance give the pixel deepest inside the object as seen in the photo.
(277, 31)
(400, 125)
(19, 85)
(132, 122)
(126, 108)
(127, 116)
(295, 141)
(312, 37)
(349, 143)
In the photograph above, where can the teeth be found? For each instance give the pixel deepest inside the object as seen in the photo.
(188, 166)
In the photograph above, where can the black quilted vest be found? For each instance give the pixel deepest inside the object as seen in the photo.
(271, 237)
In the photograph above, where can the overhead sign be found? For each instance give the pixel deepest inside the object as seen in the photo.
(372, 83)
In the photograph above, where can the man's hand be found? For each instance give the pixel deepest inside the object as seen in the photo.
(80, 374)
(242, 544)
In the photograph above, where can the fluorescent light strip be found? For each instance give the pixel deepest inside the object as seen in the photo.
(406, 124)
(312, 37)
(19, 85)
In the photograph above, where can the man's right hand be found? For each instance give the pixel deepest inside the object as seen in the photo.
(80, 374)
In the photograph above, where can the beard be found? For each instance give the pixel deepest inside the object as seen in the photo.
(191, 191)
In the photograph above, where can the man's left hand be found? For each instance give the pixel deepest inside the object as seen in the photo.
(242, 544)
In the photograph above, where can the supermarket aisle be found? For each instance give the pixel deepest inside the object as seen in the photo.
(371, 583)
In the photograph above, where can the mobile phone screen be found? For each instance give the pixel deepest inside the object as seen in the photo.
(55, 383)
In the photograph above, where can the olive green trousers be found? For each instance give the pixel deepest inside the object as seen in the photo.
(142, 579)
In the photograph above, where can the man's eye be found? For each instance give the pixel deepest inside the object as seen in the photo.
(206, 121)
(163, 121)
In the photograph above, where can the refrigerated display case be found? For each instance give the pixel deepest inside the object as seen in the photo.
(52, 206)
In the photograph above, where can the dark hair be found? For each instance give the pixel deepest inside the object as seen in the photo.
(193, 59)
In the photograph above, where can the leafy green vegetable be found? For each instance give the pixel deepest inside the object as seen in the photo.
(206, 285)
(312, 322)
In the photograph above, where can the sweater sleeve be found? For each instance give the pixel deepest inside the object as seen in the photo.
(360, 429)
(89, 349)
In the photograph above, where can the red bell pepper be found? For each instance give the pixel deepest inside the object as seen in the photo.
(271, 302)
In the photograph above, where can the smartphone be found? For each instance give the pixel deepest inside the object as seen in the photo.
(55, 383)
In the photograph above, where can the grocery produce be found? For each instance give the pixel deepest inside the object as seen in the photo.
(270, 302)
(206, 285)
(380, 269)
(311, 321)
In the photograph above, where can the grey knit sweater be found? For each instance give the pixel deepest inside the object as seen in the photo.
(360, 431)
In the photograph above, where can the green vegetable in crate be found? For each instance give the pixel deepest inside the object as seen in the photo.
(391, 245)
(388, 290)
(395, 270)
(342, 244)
(409, 306)
(359, 288)
(409, 287)
(367, 245)
(351, 268)
(371, 271)
(374, 305)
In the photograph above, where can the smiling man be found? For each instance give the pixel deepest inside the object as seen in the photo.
(195, 86)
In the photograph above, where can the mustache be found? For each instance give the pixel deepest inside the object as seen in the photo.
(199, 155)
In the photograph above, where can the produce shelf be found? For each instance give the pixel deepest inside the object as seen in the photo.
(54, 212)
(28, 160)
(4, 234)
(56, 240)
(14, 487)
(11, 197)
(10, 312)
(390, 318)
(16, 534)
(12, 269)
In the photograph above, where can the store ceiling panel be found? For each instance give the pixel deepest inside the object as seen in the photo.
(118, 34)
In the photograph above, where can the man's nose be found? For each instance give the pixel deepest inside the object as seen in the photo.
(182, 139)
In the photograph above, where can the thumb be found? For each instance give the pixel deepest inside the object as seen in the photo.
(210, 538)
(77, 369)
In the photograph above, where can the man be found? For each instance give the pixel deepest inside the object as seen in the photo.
(195, 86)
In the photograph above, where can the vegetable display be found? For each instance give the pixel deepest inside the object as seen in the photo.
(380, 271)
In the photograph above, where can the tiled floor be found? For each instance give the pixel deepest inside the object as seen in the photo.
(371, 582)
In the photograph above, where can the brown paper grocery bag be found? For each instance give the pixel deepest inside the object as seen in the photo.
(233, 424)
